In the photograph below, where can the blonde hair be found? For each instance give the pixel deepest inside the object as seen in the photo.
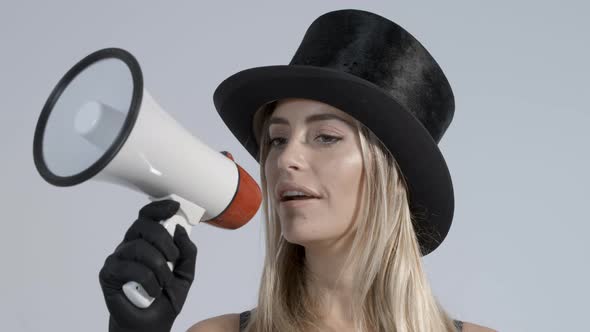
(391, 288)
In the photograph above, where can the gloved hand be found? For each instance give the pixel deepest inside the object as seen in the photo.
(142, 257)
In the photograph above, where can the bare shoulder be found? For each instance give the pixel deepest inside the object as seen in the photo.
(221, 323)
(472, 327)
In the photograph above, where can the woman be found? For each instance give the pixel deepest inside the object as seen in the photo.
(347, 255)
(355, 188)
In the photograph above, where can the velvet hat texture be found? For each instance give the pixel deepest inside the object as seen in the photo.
(376, 71)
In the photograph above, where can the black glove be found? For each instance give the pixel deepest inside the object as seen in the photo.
(142, 257)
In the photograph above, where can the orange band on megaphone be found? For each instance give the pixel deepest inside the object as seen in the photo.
(244, 206)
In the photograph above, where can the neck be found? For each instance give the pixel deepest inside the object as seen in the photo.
(329, 279)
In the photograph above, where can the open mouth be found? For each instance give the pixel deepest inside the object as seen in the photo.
(297, 198)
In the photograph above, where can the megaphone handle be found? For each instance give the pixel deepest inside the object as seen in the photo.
(132, 289)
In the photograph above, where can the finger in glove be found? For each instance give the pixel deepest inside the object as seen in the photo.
(185, 265)
(116, 272)
(142, 252)
(159, 210)
(156, 235)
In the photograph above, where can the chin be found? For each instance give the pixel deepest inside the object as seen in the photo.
(304, 229)
(300, 235)
(305, 236)
(297, 237)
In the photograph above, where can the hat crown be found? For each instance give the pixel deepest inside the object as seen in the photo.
(379, 51)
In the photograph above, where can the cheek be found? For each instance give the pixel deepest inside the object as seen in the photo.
(344, 174)
(343, 185)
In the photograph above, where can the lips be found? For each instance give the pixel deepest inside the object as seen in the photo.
(283, 187)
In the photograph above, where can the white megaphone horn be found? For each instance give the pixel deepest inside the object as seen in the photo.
(100, 123)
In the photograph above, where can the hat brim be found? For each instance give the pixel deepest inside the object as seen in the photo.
(431, 195)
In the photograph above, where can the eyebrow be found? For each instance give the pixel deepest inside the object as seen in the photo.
(312, 118)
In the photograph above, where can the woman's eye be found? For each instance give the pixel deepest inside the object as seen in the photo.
(272, 140)
(330, 140)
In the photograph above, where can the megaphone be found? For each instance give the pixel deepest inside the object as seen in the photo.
(100, 123)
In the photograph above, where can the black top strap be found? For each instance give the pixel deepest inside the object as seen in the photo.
(245, 316)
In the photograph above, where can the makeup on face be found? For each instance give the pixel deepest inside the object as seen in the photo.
(329, 128)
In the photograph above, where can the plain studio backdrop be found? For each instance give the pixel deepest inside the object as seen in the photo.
(516, 257)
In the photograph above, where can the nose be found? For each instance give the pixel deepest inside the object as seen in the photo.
(291, 155)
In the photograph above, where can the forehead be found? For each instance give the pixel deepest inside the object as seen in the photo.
(308, 111)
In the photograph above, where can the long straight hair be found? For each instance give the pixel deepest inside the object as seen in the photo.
(391, 290)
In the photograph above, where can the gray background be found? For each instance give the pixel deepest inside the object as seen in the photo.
(516, 258)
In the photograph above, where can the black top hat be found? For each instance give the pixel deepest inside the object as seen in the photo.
(374, 70)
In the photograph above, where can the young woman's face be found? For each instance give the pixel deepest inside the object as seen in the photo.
(325, 157)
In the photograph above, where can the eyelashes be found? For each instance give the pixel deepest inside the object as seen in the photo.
(330, 140)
